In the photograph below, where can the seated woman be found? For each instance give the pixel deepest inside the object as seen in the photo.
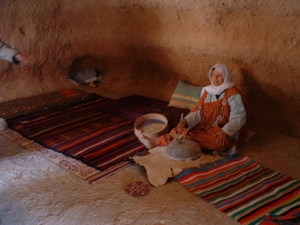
(217, 122)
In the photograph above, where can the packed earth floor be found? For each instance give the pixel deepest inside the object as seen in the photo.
(35, 191)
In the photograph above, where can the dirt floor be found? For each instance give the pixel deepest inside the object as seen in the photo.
(35, 191)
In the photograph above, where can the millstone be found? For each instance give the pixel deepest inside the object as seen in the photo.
(184, 149)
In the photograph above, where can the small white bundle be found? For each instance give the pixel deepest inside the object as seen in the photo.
(3, 124)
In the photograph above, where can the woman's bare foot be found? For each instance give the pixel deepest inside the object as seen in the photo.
(148, 142)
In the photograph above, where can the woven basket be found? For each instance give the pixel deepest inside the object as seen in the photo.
(152, 120)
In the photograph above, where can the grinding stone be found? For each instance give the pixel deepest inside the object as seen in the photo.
(184, 149)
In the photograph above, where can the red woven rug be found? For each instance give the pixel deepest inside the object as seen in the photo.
(246, 191)
(94, 137)
(82, 138)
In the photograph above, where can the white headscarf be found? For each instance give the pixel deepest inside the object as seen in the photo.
(217, 90)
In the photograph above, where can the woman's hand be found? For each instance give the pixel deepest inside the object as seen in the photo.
(222, 138)
(181, 126)
(25, 59)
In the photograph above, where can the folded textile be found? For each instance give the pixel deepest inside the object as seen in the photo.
(246, 191)
(90, 77)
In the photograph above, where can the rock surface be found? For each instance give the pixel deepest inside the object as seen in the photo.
(145, 47)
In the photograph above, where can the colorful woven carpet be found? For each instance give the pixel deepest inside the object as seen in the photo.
(132, 107)
(96, 131)
(74, 166)
(24, 106)
(82, 131)
(246, 191)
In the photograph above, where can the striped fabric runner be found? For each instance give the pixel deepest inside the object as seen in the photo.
(83, 132)
(135, 106)
(74, 166)
(246, 191)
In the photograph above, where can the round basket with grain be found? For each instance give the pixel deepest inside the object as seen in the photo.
(152, 125)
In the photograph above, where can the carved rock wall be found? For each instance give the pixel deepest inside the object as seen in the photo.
(147, 46)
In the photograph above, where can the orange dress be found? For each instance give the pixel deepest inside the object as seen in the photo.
(214, 115)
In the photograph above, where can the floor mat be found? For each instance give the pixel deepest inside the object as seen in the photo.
(80, 137)
(132, 107)
(74, 166)
(246, 191)
(28, 105)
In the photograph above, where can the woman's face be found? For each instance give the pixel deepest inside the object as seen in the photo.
(217, 78)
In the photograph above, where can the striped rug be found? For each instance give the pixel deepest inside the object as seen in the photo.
(82, 132)
(134, 106)
(76, 167)
(246, 191)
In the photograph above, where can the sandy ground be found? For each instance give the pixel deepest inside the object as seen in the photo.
(35, 191)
